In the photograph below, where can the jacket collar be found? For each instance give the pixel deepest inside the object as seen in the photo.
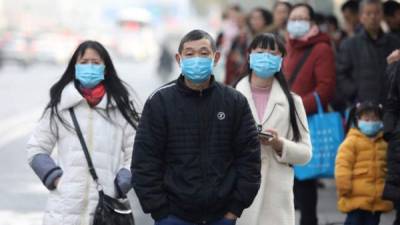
(70, 97)
(357, 133)
(301, 44)
(187, 91)
(277, 98)
(381, 37)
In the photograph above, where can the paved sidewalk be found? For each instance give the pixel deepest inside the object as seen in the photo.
(327, 211)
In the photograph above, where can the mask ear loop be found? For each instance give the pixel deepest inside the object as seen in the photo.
(280, 64)
(213, 62)
(180, 61)
(280, 59)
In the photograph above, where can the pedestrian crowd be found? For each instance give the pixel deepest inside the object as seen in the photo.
(239, 151)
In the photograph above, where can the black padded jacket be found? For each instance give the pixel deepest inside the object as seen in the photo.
(196, 153)
(391, 122)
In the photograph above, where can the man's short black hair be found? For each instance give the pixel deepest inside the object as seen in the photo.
(370, 2)
(331, 19)
(195, 35)
(319, 18)
(352, 5)
(390, 8)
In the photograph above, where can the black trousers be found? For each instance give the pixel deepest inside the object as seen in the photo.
(306, 197)
(397, 207)
(362, 217)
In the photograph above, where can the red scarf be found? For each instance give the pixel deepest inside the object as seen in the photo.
(93, 95)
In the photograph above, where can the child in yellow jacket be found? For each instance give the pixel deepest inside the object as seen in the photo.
(361, 167)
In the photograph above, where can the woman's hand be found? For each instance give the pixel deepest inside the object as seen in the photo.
(274, 142)
(56, 182)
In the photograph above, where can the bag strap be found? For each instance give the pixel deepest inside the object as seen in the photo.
(84, 146)
(319, 103)
(299, 66)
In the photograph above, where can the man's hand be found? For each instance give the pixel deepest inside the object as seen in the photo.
(230, 216)
(393, 57)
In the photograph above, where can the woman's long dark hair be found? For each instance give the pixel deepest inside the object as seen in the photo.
(361, 108)
(271, 41)
(116, 89)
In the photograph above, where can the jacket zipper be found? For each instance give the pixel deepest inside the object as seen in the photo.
(84, 213)
(203, 155)
(375, 178)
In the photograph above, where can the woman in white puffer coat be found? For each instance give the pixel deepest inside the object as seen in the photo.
(108, 120)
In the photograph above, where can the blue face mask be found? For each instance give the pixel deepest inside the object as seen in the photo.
(298, 28)
(370, 128)
(197, 69)
(89, 75)
(265, 65)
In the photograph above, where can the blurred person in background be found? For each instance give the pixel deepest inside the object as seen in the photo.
(320, 21)
(259, 21)
(351, 18)
(281, 113)
(236, 56)
(166, 62)
(361, 62)
(391, 11)
(102, 104)
(309, 67)
(334, 31)
(281, 12)
(391, 121)
(360, 168)
(233, 26)
(230, 28)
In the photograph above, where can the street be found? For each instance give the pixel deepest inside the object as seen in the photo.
(24, 94)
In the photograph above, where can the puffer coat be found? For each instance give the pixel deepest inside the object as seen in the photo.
(110, 143)
(360, 173)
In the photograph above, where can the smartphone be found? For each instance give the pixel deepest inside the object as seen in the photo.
(265, 135)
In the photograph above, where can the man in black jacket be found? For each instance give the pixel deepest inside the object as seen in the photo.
(361, 61)
(196, 154)
(392, 136)
(391, 10)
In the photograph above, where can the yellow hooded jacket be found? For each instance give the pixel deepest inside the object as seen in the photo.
(360, 173)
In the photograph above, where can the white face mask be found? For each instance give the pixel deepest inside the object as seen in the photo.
(298, 28)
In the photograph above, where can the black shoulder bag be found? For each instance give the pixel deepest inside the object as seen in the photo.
(299, 66)
(109, 211)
